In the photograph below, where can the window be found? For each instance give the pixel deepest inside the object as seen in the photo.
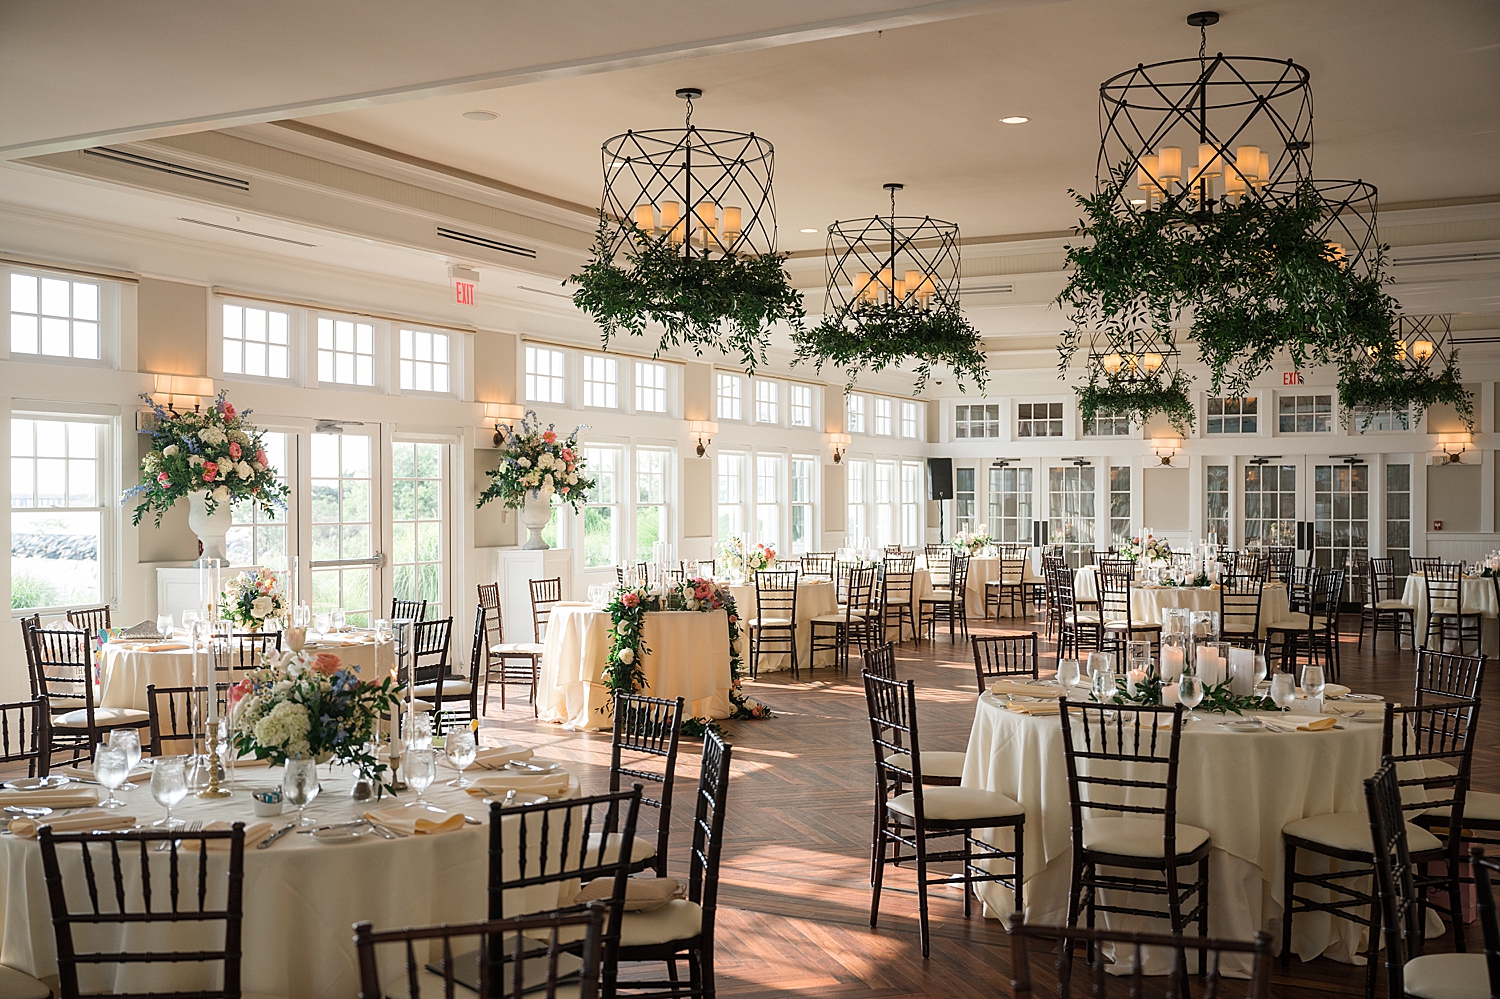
(1398, 513)
(731, 396)
(1304, 414)
(909, 419)
(650, 387)
(544, 375)
(257, 342)
(965, 512)
(887, 530)
(651, 524)
(346, 352)
(601, 382)
(856, 414)
(883, 417)
(1010, 505)
(1039, 419)
(804, 468)
(1070, 510)
(1381, 419)
(1119, 504)
(768, 472)
(1270, 505)
(973, 421)
(54, 317)
(767, 397)
(59, 514)
(1218, 504)
(801, 406)
(601, 511)
(1232, 414)
(1107, 424)
(418, 507)
(258, 538)
(857, 524)
(731, 495)
(911, 503)
(1341, 511)
(424, 361)
(343, 524)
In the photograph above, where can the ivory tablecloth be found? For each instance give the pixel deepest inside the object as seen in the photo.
(814, 597)
(1478, 598)
(301, 896)
(688, 658)
(982, 569)
(1148, 602)
(1241, 787)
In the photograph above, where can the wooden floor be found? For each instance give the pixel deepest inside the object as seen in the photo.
(794, 898)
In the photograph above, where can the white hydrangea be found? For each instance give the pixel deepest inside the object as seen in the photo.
(524, 462)
(211, 436)
(169, 450)
(572, 478)
(195, 460)
(285, 726)
(240, 437)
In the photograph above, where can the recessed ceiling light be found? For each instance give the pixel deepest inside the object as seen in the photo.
(1014, 119)
(480, 115)
(809, 230)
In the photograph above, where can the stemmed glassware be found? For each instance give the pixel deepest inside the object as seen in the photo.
(168, 786)
(1190, 692)
(1313, 686)
(420, 766)
(420, 736)
(1068, 673)
(1261, 669)
(1283, 690)
(110, 768)
(128, 741)
(462, 748)
(299, 785)
(164, 625)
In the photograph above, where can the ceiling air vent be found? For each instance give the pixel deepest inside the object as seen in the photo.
(168, 167)
(988, 289)
(1471, 257)
(460, 236)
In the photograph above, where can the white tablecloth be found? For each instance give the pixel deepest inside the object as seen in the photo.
(1241, 787)
(814, 597)
(982, 569)
(1148, 602)
(1478, 598)
(301, 896)
(688, 658)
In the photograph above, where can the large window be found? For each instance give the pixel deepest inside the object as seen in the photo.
(965, 508)
(883, 426)
(1039, 419)
(1398, 513)
(1119, 504)
(767, 401)
(887, 497)
(343, 525)
(1270, 505)
(974, 421)
(545, 375)
(424, 361)
(855, 414)
(1233, 414)
(768, 498)
(54, 317)
(346, 352)
(601, 382)
(909, 419)
(801, 406)
(857, 523)
(601, 512)
(259, 538)
(731, 397)
(257, 342)
(418, 511)
(1011, 505)
(1107, 423)
(804, 470)
(650, 387)
(911, 503)
(731, 495)
(1304, 414)
(59, 513)
(1217, 503)
(1070, 510)
(651, 492)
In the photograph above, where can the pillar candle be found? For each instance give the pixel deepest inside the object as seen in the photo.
(1173, 660)
(1133, 680)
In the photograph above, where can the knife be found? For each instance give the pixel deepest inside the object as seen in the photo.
(275, 836)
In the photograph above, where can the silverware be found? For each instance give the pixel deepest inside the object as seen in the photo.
(387, 831)
(523, 765)
(332, 825)
(36, 812)
(192, 826)
(471, 820)
(275, 835)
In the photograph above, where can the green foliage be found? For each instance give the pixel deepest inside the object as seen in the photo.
(1387, 383)
(1140, 398)
(1217, 698)
(875, 335)
(726, 303)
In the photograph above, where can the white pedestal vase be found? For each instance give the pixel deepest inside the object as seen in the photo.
(535, 513)
(211, 528)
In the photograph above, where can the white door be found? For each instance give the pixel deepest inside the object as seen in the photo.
(1011, 503)
(343, 530)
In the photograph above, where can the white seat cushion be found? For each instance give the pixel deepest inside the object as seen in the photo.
(957, 804)
(1126, 625)
(679, 919)
(1481, 806)
(517, 649)
(1086, 617)
(840, 617)
(775, 622)
(1296, 621)
(641, 849)
(431, 985)
(102, 716)
(452, 687)
(1447, 976)
(1131, 837)
(1392, 605)
(935, 763)
(17, 985)
(1351, 831)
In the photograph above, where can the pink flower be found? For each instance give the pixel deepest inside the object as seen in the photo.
(260, 456)
(701, 592)
(238, 691)
(549, 437)
(630, 600)
(228, 410)
(210, 471)
(326, 663)
(161, 477)
(235, 450)
(734, 619)
(567, 455)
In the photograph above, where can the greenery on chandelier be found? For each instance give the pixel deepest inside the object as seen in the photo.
(1386, 383)
(1139, 397)
(724, 303)
(873, 336)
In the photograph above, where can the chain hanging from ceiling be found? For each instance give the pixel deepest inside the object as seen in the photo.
(687, 240)
(892, 298)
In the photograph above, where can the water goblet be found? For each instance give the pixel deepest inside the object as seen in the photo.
(461, 748)
(1104, 685)
(1313, 686)
(1068, 673)
(1261, 669)
(110, 769)
(1099, 661)
(1137, 653)
(420, 766)
(322, 623)
(339, 619)
(420, 736)
(189, 618)
(164, 625)
(168, 786)
(1190, 692)
(1283, 690)
(128, 741)
(299, 785)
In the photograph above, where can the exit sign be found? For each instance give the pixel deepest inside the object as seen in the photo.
(1291, 378)
(463, 280)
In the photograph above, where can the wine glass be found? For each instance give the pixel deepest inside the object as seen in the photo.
(1313, 686)
(1283, 690)
(1104, 684)
(462, 749)
(110, 768)
(128, 741)
(164, 625)
(1262, 670)
(299, 785)
(168, 785)
(1190, 692)
(420, 736)
(1099, 661)
(189, 618)
(338, 619)
(322, 623)
(420, 766)
(1068, 673)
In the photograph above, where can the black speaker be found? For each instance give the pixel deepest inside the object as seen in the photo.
(940, 478)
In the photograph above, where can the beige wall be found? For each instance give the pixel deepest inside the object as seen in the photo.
(697, 391)
(1453, 497)
(1444, 419)
(1164, 498)
(494, 526)
(172, 329)
(835, 507)
(697, 494)
(495, 367)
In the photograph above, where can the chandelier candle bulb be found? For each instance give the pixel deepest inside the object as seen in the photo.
(1422, 351)
(708, 221)
(1247, 162)
(1148, 174)
(731, 224)
(1210, 163)
(671, 219)
(1113, 363)
(899, 292)
(1263, 172)
(645, 218)
(1169, 165)
(1152, 362)
(885, 279)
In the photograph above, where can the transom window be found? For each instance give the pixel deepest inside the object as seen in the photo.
(650, 387)
(544, 375)
(908, 419)
(58, 514)
(883, 417)
(257, 342)
(1107, 424)
(601, 382)
(1039, 419)
(1233, 414)
(973, 421)
(1304, 414)
(1381, 419)
(856, 414)
(767, 402)
(424, 361)
(54, 317)
(346, 351)
(731, 397)
(800, 408)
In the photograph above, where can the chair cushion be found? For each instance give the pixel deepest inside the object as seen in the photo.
(935, 763)
(641, 849)
(1392, 605)
(1131, 837)
(773, 622)
(956, 804)
(1351, 831)
(1295, 621)
(1479, 806)
(840, 617)
(517, 649)
(19, 985)
(102, 717)
(1447, 976)
(679, 919)
(453, 686)
(1087, 617)
(1126, 625)
(431, 985)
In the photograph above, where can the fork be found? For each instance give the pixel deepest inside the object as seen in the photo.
(191, 827)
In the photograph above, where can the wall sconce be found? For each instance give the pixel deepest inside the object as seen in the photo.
(840, 444)
(705, 430)
(1166, 448)
(1453, 447)
(504, 416)
(181, 391)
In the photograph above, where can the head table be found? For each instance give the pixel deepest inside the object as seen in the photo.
(301, 896)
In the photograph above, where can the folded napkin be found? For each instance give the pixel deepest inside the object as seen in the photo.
(641, 894)
(254, 833)
(141, 775)
(1034, 707)
(72, 796)
(250, 761)
(1004, 688)
(494, 757)
(164, 647)
(91, 820)
(416, 821)
(551, 784)
(1309, 723)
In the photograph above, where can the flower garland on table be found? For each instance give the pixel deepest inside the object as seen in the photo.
(535, 460)
(252, 597)
(1217, 697)
(216, 451)
(627, 611)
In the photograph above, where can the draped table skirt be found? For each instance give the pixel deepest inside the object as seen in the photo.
(1478, 598)
(1148, 602)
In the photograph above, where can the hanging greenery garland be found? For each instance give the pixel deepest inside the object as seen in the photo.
(1140, 399)
(878, 335)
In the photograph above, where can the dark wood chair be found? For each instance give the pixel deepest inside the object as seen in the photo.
(651, 727)
(858, 622)
(91, 619)
(436, 681)
(775, 619)
(26, 734)
(1078, 629)
(897, 580)
(1239, 611)
(1123, 802)
(1447, 674)
(177, 717)
(1280, 559)
(247, 650)
(64, 665)
(137, 892)
(1009, 589)
(1314, 629)
(513, 662)
(1299, 587)
(880, 660)
(408, 610)
(545, 594)
(1383, 608)
(643, 576)
(1445, 608)
(1005, 656)
(939, 559)
(1117, 615)
(949, 601)
(1418, 564)
(707, 568)
(909, 818)
(27, 623)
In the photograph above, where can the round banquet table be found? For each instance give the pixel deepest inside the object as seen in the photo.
(1242, 787)
(814, 597)
(127, 668)
(1478, 597)
(983, 569)
(688, 657)
(1148, 602)
(300, 897)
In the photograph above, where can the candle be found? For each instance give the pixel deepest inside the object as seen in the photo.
(1133, 680)
(1209, 666)
(1173, 661)
(1241, 672)
(1169, 695)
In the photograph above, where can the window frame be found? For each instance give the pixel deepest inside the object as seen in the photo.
(909, 407)
(729, 405)
(609, 385)
(667, 507)
(379, 349)
(1031, 420)
(107, 322)
(767, 410)
(793, 406)
(855, 412)
(639, 386)
(1319, 421)
(1223, 404)
(530, 379)
(988, 423)
(740, 502)
(913, 526)
(1111, 418)
(809, 505)
(454, 344)
(887, 416)
(621, 477)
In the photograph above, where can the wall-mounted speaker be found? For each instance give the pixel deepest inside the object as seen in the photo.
(940, 478)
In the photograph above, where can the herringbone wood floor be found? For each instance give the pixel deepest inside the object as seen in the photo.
(794, 900)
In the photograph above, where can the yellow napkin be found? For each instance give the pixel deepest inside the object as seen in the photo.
(494, 757)
(164, 647)
(92, 820)
(1034, 707)
(1003, 688)
(74, 796)
(1317, 724)
(416, 821)
(254, 833)
(551, 784)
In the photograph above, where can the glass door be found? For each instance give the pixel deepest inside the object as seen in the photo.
(1071, 514)
(344, 525)
(419, 524)
(1271, 502)
(1340, 494)
(1011, 504)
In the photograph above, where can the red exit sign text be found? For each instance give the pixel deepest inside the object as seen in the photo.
(463, 292)
(1291, 378)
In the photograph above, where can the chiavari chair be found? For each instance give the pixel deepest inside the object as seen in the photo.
(896, 595)
(707, 569)
(1299, 587)
(26, 735)
(248, 650)
(1239, 611)
(507, 662)
(939, 558)
(408, 610)
(178, 717)
(1051, 620)
(1281, 559)
(1419, 564)
(676, 577)
(619, 575)
(1009, 589)
(1316, 629)
(1116, 615)
(948, 601)
(893, 550)
(433, 674)
(90, 619)
(64, 665)
(1383, 605)
(940, 768)
(652, 728)
(859, 621)
(900, 561)
(27, 623)
(880, 660)
(1078, 630)
(1445, 606)
(643, 574)
(775, 618)
(545, 594)
(998, 657)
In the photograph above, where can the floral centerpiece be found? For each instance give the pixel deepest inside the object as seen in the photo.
(309, 704)
(253, 597)
(627, 610)
(538, 467)
(744, 561)
(973, 542)
(1147, 549)
(1217, 697)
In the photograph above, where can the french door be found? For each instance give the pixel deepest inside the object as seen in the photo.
(345, 554)
(1319, 504)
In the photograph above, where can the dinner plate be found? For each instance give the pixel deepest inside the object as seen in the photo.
(37, 783)
(341, 834)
